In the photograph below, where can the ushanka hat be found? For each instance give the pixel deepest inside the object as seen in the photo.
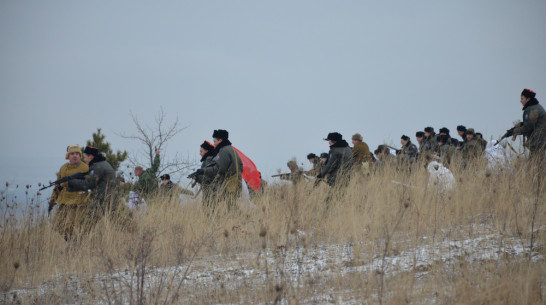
(443, 139)
(444, 130)
(90, 150)
(220, 134)
(207, 146)
(419, 134)
(405, 138)
(311, 156)
(528, 93)
(71, 149)
(382, 148)
(334, 136)
(357, 137)
(461, 128)
(429, 129)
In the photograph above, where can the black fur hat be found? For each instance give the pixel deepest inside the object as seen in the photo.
(405, 138)
(443, 139)
(90, 150)
(311, 156)
(324, 155)
(419, 134)
(207, 146)
(429, 129)
(382, 148)
(461, 128)
(334, 136)
(444, 130)
(220, 134)
(528, 93)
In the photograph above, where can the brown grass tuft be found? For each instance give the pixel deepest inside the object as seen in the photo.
(376, 242)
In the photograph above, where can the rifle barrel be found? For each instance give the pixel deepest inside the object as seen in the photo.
(279, 175)
(64, 179)
(45, 187)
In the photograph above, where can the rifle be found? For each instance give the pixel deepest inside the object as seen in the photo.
(64, 179)
(282, 175)
(396, 149)
(197, 176)
(194, 176)
(509, 133)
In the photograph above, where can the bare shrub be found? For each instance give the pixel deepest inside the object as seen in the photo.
(378, 242)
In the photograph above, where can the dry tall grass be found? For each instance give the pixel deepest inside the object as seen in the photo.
(376, 242)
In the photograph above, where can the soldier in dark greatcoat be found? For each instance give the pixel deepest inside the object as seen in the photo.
(340, 161)
(534, 123)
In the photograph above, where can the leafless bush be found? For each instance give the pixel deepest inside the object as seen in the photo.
(379, 242)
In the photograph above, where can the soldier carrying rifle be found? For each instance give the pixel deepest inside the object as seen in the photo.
(295, 175)
(317, 165)
(102, 182)
(339, 166)
(533, 126)
(72, 204)
(206, 151)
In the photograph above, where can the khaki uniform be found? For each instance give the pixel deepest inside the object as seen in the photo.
(72, 205)
(361, 154)
(317, 168)
(61, 194)
(295, 175)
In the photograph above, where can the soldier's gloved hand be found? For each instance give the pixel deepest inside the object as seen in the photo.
(196, 173)
(71, 187)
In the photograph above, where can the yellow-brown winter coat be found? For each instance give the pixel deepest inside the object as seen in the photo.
(61, 194)
(361, 153)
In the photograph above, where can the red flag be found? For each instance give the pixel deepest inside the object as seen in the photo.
(250, 173)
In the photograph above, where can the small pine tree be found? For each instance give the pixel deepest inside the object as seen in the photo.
(104, 147)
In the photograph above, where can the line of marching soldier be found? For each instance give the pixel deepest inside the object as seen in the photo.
(342, 159)
(221, 168)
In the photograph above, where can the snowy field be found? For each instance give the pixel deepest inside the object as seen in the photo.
(295, 265)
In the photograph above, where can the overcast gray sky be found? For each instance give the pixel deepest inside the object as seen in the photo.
(278, 75)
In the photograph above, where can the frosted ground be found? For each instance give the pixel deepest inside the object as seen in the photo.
(297, 264)
(300, 264)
